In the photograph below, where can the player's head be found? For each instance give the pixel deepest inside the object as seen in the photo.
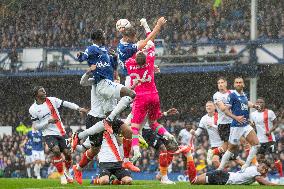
(261, 102)
(222, 83)
(129, 34)
(210, 107)
(239, 83)
(263, 166)
(189, 126)
(39, 93)
(140, 58)
(98, 36)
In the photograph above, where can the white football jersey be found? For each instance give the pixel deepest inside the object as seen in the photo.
(222, 97)
(96, 104)
(263, 122)
(186, 137)
(40, 114)
(106, 154)
(208, 124)
(246, 176)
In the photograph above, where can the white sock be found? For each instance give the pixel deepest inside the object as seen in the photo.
(97, 128)
(136, 149)
(29, 172)
(225, 159)
(252, 153)
(35, 170)
(121, 105)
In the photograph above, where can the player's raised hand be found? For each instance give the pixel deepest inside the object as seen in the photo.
(172, 111)
(157, 69)
(240, 119)
(162, 21)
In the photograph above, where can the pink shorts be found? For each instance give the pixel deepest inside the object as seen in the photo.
(148, 104)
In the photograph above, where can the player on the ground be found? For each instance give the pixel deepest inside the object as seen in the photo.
(27, 144)
(95, 128)
(220, 99)
(141, 69)
(219, 177)
(209, 123)
(35, 137)
(45, 116)
(110, 162)
(265, 122)
(239, 106)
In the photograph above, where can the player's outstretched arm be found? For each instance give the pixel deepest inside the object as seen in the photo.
(162, 21)
(261, 180)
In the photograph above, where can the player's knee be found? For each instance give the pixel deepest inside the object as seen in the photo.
(104, 180)
(126, 180)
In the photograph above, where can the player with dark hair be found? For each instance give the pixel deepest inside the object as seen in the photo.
(264, 120)
(239, 111)
(45, 116)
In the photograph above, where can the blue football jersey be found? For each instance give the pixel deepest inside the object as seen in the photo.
(28, 148)
(36, 139)
(99, 56)
(239, 107)
(125, 51)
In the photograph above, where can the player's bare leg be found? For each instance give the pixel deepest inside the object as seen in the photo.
(228, 154)
(67, 165)
(252, 139)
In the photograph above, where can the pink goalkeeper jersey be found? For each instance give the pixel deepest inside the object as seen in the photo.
(145, 73)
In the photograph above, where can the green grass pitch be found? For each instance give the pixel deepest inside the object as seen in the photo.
(50, 184)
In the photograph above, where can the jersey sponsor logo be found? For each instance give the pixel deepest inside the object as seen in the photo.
(102, 64)
(138, 67)
(244, 106)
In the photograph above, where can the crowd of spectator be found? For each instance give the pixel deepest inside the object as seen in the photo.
(61, 23)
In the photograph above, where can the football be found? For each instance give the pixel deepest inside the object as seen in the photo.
(122, 23)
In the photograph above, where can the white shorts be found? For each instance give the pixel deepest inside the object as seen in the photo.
(237, 132)
(108, 92)
(38, 155)
(29, 159)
